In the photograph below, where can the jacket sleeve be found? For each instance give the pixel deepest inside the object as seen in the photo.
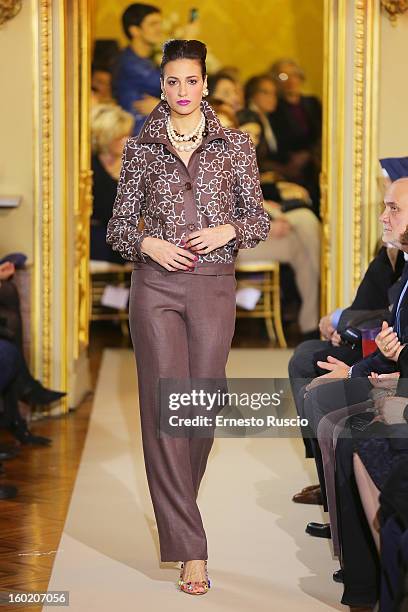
(249, 218)
(122, 232)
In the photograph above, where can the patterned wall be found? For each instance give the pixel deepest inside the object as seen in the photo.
(241, 32)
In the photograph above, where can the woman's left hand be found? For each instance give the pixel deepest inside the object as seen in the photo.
(209, 238)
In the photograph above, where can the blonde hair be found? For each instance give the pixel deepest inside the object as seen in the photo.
(108, 122)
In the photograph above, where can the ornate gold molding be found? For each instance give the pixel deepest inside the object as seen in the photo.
(9, 9)
(45, 195)
(394, 8)
(358, 106)
(365, 146)
(82, 220)
(349, 146)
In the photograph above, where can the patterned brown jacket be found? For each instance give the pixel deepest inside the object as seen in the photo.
(220, 185)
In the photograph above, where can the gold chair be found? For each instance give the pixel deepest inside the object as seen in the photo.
(268, 306)
(104, 273)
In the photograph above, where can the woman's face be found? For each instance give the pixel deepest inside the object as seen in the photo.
(227, 91)
(183, 85)
(266, 97)
(254, 130)
(101, 83)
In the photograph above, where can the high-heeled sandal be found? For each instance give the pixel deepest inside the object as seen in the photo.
(189, 587)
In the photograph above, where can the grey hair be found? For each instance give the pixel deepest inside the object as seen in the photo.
(274, 70)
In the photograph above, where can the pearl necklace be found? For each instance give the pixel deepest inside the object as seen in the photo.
(193, 139)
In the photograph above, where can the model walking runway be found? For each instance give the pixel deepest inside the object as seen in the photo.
(108, 557)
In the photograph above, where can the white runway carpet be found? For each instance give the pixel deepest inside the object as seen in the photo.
(260, 559)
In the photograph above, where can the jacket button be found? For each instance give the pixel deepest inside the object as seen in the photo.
(191, 226)
(187, 186)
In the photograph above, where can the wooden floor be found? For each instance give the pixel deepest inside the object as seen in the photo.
(31, 524)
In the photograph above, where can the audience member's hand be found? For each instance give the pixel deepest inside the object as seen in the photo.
(335, 339)
(205, 240)
(384, 381)
(391, 410)
(146, 105)
(269, 177)
(280, 228)
(388, 343)
(7, 270)
(291, 191)
(167, 254)
(326, 327)
(336, 368)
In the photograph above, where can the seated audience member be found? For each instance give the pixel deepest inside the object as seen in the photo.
(11, 391)
(393, 523)
(136, 79)
(224, 88)
(294, 238)
(373, 294)
(235, 73)
(297, 124)
(225, 114)
(349, 386)
(380, 464)
(17, 384)
(287, 195)
(261, 97)
(110, 127)
(30, 391)
(101, 84)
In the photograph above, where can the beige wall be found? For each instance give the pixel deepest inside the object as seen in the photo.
(241, 33)
(393, 118)
(16, 129)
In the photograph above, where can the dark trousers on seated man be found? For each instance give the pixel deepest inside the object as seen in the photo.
(303, 369)
(359, 557)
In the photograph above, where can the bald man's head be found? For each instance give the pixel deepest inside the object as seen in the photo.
(395, 215)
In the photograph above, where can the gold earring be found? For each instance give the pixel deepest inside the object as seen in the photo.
(163, 95)
(205, 92)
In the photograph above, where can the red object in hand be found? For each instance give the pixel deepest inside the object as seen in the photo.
(369, 346)
(368, 337)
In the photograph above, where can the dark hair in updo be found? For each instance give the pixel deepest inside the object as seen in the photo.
(184, 49)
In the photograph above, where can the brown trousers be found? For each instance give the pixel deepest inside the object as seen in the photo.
(181, 324)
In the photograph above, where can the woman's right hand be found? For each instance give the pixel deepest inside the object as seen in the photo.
(167, 254)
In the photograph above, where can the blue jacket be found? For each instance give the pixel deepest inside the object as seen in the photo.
(133, 77)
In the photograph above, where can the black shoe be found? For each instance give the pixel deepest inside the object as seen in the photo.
(319, 530)
(338, 576)
(27, 437)
(37, 394)
(8, 452)
(20, 431)
(7, 491)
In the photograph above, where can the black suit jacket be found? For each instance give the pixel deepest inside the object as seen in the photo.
(376, 362)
